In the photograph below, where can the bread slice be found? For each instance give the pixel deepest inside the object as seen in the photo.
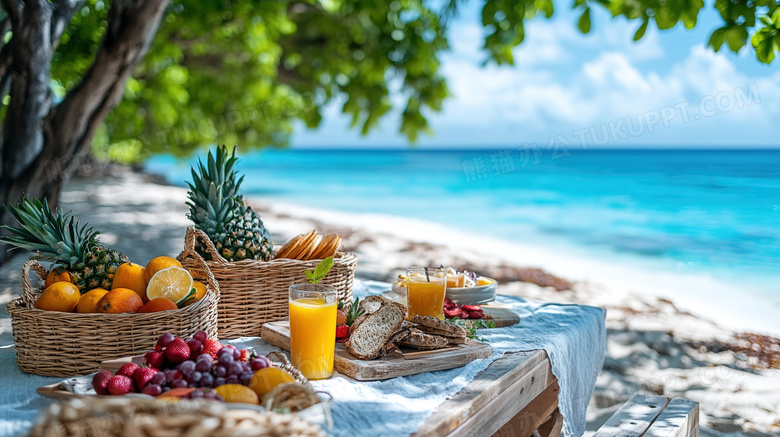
(370, 332)
(440, 325)
(392, 343)
(369, 304)
(456, 340)
(422, 341)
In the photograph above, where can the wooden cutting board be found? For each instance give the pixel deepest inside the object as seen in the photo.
(502, 316)
(407, 362)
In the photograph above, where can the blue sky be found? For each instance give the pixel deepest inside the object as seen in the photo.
(599, 90)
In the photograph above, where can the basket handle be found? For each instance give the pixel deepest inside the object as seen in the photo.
(189, 245)
(28, 295)
(210, 279)
(279, 357)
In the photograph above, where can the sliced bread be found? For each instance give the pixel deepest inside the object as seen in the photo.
(422, 341)
(369, 304)
(370, 332)
(440, 325)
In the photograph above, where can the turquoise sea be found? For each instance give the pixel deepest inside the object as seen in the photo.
(704, 212)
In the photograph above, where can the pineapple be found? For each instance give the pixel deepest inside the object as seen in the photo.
(57, 237)
(217, 209)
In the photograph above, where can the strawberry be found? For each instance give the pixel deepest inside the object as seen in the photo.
(155, 359)
(452, 312)
(471, 307)
(245, 355)
(448, 304)
(177, 351)
(128, 370)
(143, 375)
(100, 380)
(120, 385)
(211, 347)
(342, 331)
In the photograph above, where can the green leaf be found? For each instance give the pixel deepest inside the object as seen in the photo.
(584, 22)
(765, 51)
(641, 31)
(717, 38)
(320, 271)
(736, 38)
(766, 21)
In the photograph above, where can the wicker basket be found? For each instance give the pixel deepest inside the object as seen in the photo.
(255, 292)
(52, 343)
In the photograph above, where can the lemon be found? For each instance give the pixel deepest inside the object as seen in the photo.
(173, 283)
(237, 393)
(265, 380)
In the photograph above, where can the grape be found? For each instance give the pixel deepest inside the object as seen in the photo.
(207, 380)
(195, 347)
(203, 366)
(246, 366)
(225, 359)
(195, 377)
(235, 369)
(260, 362)
(196, 394)
(178, 383)
(159, 378)
(225, 350)
(246, 377)
(152, 390)
(204, 357)
(186, 367)
(175, 374)
(165, 339)
(236, 354)
(220, 371)
(218, 398)
(201, 336)
(219, 381)
(232, 379)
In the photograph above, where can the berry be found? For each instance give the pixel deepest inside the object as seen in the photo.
(235, 369)
(100, 380)
(244, 355)
(195, 347)
(165, 339)
(342, 331)
(246, 377)
(178, 383)
(155, 359)
(128, 370)
(225, 359)
(232, 379)
(186, 367)
(152, 390)
(236, 355)
(177, 351)
(260, 362)
(175, 374)
(211, 347)
(201, 336)
(143, 375)
(452, 312)
(203, 366)
(204, 357)
(120, 385)
(159, 378)
(195, 377)
(225, 351)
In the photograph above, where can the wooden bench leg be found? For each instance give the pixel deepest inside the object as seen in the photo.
(553, 426)
(533, 415)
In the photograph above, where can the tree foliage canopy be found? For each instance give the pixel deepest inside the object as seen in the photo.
(241, 71)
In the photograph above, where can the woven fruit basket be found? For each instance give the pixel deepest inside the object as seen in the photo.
(52, 343)
(255, 292)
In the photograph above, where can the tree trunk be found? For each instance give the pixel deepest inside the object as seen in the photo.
(42, 142)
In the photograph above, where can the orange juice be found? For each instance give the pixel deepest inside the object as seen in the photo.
(425, 298)
(313, 336)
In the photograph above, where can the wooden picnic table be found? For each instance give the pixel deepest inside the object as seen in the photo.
(514, 396)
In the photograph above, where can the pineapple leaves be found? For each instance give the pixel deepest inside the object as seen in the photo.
(320, 271)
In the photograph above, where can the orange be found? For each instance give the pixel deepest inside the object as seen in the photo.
(237, 393)
(159, 304)
(173, 283)
(57, 274)
(59, 296)
(131, 276)
(265, 380)
(200, 291)
(157, 264)
(89, 301)
(120, 300)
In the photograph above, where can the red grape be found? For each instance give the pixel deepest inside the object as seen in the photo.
(201, 336)
(165, 339)
(178, 383)
(152, 390)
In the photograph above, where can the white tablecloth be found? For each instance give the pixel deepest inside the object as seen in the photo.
(574, 337)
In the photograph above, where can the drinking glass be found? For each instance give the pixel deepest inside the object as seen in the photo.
(425, 290)
(313, 329)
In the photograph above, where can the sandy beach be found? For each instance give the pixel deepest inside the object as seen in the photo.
(654, 345)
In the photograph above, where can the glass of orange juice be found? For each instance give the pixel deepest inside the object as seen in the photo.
(313, 329)
(425, 290)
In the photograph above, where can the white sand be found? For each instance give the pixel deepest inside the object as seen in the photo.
(648, 336)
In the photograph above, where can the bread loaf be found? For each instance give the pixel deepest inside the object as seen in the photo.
(370, 332)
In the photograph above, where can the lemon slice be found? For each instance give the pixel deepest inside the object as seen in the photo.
(173, 283)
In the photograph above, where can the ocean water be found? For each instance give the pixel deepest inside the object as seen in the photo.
(713, 213)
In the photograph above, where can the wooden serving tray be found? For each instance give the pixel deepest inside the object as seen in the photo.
(407, 362)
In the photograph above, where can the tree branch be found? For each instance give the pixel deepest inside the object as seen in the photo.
(71, 125)
(63, 11)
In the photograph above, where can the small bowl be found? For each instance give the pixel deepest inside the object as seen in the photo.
(477, 295)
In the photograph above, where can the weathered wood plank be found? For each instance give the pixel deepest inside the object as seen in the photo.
(390, 366)
(634, 418)
(490, 384)
(680, 418)
(533, 415)
(553, 427)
